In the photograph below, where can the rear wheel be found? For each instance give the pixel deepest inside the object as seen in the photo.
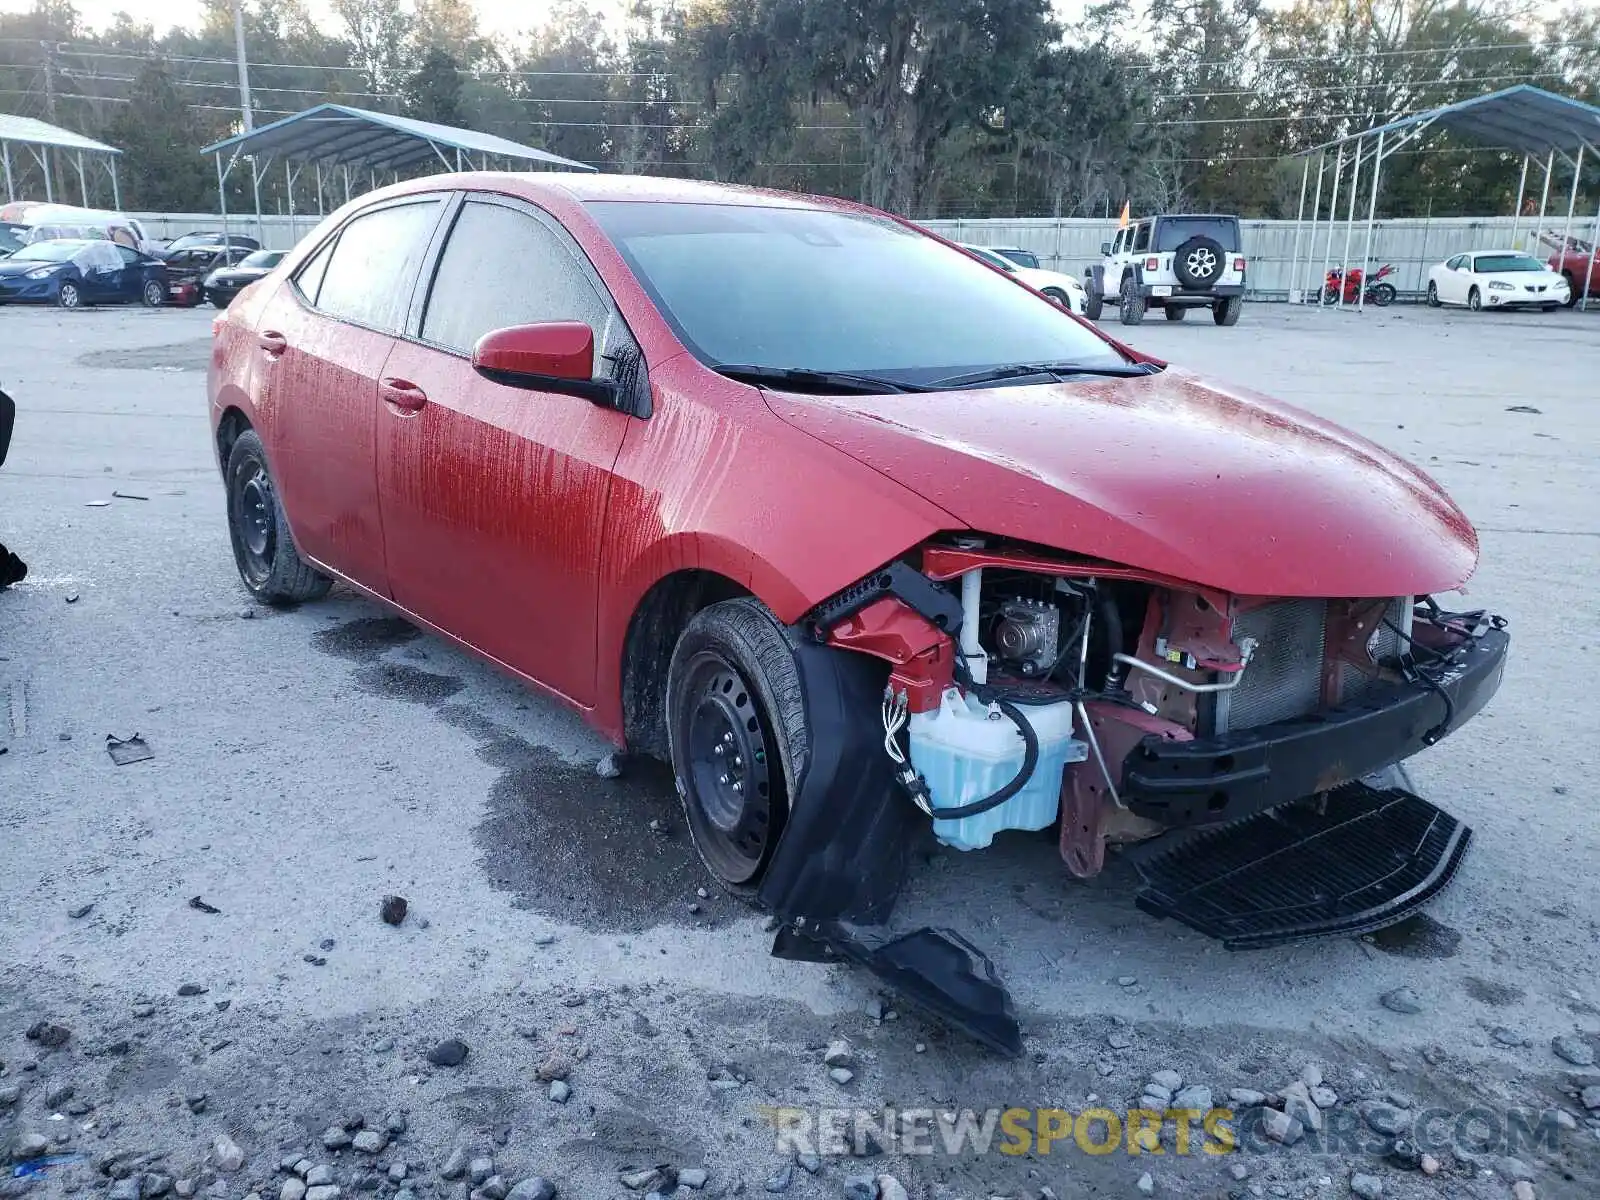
(1174, 312)
(1132, 305)
(1433, 294)
(1475, 300)
(1226, 312)
(152, 294)
(737, 727)
(263, 547)
(69, 295)
(1382, 294)
(1096, 302)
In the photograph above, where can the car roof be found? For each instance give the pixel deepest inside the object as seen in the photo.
(587, 187)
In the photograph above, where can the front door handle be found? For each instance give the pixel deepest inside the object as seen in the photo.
(402, 395)
(272, 342)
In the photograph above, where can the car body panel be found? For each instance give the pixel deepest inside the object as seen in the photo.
(1168, 473)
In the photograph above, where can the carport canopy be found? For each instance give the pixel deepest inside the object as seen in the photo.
(1547, 129)
(39, 138)
(358, 141)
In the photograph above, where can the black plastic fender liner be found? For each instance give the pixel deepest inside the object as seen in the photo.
(937, 970)
(847, 843)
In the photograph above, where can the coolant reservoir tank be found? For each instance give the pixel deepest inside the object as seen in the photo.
(967, 750)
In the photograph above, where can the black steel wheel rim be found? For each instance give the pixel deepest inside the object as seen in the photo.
(729, 782)
(255, 523)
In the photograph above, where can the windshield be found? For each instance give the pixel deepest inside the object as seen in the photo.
(262, 258)
(47, 252)
(833, 291)
(1172, 232)
(1488, 263)
(1023, 258)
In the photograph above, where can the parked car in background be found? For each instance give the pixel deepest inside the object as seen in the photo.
(1579, 264)
(75, 274)
(64, 222)
(1485, 279)
(869, 543)
(1023, 258)
(1063, 289)
(188, 269)
(191, 241)
(224, 283)
(1173, 262)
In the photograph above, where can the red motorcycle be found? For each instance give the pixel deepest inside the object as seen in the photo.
(1377, 291)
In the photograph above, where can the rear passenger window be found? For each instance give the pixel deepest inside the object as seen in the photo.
(374, 265)
(503, 267)
(1141, 238)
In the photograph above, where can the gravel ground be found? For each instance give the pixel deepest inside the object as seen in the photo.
(308, 764)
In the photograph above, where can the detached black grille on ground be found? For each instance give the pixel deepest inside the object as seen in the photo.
(1362, 859)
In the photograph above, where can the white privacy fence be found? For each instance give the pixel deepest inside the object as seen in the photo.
(1411, 245)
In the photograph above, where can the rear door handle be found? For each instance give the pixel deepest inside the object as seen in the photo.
(272, 342)
(402, 395)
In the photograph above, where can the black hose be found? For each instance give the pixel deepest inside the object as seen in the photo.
(1112, 616)
(1030, 760)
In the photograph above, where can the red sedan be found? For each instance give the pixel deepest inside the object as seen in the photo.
(866, 538)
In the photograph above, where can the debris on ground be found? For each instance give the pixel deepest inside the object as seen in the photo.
(1573, 1049)
(199, 905)
(451, 1052)
(49, 1034)
(83, 910)
(191, 989)
(1401, 1000)
(609, 767)
(1526, 408)
(127, 750)
(128, 496)
(392, 910)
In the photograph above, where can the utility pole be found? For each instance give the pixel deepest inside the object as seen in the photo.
(244, 65)
(49, 51)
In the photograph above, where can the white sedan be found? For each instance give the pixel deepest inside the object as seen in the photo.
(1496, 279)
(1065, 290)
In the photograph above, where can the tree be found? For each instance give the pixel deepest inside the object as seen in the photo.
(433, 92)
(379, 33)
(159, 136)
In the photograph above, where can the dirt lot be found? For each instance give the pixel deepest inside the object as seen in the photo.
(308, 763)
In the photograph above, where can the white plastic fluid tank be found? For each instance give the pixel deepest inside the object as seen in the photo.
(967, 750)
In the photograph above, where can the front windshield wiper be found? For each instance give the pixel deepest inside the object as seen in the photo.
(809, 380)
(1023, 370)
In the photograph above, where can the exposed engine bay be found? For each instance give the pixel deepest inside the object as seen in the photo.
(1030, 691)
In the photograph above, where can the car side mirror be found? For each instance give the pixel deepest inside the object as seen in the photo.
(555, 356)
(1105, 249)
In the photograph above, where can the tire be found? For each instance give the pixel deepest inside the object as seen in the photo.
(1096, 303)
(1328, 297)
(1474, 300)
(1174, 312)
(1199, 262)
(737, 729)
(263, 548)
(1572, 289)
(1226, 312)
(69, 295)
(1131, 303)
(1433, 294)
(1382, 294)
(152, 294)
(1060, 297)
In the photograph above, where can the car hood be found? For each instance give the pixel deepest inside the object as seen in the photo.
(1166, 472)
(10, 267)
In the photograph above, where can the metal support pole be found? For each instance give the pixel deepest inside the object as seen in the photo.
(347, 183)
(49, 186)
(1516, 213)
(288, 179)
(245, 107)
(222, 196)
(116, 187)
(1372, 212)
(1316, 215)
(1588, 271)
(11, 187)
(1333, 213)
(1350, 221)
(1299, 220)
(1544, 198)
(319, 190)
(1572, 203)
(458, 159)
(83, 181)
(255, 188)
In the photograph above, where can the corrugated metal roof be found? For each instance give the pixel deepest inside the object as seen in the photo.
(1524, 118)
(39, 133)
(360, 137)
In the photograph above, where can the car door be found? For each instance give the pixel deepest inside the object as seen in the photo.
(102, 275)
(494, 497)
(135, 271)
(1460, 278)
(324, 341)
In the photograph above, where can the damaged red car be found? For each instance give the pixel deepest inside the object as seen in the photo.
(864, 537)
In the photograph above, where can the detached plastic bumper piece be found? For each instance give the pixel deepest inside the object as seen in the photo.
(1360, 859)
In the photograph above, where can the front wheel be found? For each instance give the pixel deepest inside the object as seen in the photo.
(1227, 311)
(1572, 289)
(1382, 294)
(1060, 297)
(1096, 303)
(263, 547)
(152, 294)
(70, 295)
(1433, 294)
(1132, 304)
(1475, 300)
(737, 727)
